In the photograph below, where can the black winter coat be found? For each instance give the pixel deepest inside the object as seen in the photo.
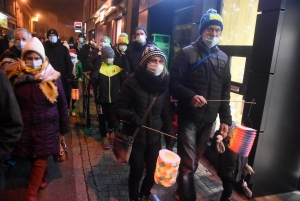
(12, 52)
(60, 59)
(121, 60)
(135, 97)
(211, 79)
(11, 124)
(134, 54)
(82, 55)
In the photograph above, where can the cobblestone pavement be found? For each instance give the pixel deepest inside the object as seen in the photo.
(100, 177)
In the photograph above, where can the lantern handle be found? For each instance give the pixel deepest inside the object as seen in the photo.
(154, 130)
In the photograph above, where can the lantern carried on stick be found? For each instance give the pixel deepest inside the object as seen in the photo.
(166, 168)
(75, 94)
(242, 140)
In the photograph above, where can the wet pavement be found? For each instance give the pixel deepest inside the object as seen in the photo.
(93, 174)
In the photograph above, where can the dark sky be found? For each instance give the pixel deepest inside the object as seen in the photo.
(71, 9)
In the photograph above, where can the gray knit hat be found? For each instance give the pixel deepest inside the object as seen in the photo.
(107, 52)
(142, 27)
(150, 52)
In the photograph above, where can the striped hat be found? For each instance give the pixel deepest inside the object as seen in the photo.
(210, 18)
(123, 39)
(150, 52)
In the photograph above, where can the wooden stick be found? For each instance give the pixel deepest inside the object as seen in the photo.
(229, 101)
(154, 130)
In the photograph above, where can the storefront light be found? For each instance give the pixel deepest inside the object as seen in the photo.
(2, 16)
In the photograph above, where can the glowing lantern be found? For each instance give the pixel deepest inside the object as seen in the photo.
(166, 168)
(75, 94)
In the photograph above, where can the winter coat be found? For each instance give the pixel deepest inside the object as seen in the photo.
(108, 83)
(78, 70)
(60, 59)
(121, 60)
(43, 121)
(82, 55)
(12, 52)
(134, 54)
(10, 122)
(135, 96)
(4, 44)
(211, 79)
(231, 165)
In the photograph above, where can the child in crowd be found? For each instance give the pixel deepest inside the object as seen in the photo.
(108, 82)
(77, 72)
(232, 167)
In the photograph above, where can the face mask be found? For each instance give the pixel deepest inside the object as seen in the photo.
(20, 46)
(103, 44)
(53, 39)
(110, 60)
(141, 39)
(81, 40)
(73, 60)
(122, 48)
(210, 41)
(155, 69)
(34, 63)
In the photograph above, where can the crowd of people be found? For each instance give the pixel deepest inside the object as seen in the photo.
(126, 77)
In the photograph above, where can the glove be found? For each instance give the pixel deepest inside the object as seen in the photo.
(171, 143)
(135, 120)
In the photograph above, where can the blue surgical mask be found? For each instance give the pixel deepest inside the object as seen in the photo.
(73, 60)
(81, 40)
(34, 63)
(20, 46)
(53, 39)
(210, 41)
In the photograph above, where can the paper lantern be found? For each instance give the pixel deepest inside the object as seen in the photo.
(242, 140)
(166, 168)
(75, 94)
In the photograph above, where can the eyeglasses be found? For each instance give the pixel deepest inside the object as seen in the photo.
(212, 30)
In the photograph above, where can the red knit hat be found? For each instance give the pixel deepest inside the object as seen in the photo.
(73, 52)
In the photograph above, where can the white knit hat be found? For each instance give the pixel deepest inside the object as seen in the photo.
(34, 44)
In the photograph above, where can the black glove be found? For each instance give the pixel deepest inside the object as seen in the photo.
(135, 120)
(170, 144)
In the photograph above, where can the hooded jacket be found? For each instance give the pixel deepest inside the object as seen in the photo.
(211, 79)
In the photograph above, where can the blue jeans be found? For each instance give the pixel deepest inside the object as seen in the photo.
(192, 139)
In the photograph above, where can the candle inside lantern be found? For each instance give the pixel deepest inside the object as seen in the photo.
(166, 168)
(75, 94)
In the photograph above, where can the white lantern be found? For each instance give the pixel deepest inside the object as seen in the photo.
(166, 168)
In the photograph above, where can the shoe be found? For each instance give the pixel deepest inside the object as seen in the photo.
(105, 143)
(73, 113)
(111, 135)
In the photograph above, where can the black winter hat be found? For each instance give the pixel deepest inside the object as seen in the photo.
(81, 35)
(142, 27)
(107, 52)
(51, 31)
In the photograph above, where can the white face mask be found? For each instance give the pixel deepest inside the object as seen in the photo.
(141, 39)
(122, 48)
(103, 44)
(210, 41)
(110, 60)
(81, 40)
(73, 60)
(53, 39)
(20, 46)
(34, 63)
(155, 69)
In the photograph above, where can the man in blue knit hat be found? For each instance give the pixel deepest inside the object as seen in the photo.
(199, 73)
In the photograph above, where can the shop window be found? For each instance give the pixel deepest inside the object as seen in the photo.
(237, 69)
(239, 19)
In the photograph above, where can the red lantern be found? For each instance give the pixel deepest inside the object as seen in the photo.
(75, 94)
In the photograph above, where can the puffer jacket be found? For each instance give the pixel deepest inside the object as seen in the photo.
(43, 121)
(211, 79)
(135, 97)
(134, 54)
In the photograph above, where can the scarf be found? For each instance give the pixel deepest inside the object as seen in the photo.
(151, 83)
(79, 45)
(45, 74)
